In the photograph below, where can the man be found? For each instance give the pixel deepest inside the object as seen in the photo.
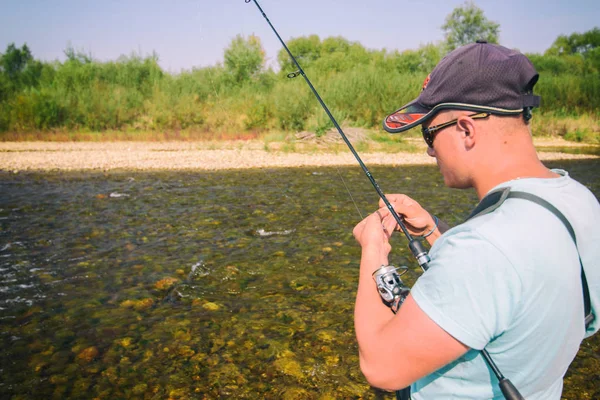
(508, 280)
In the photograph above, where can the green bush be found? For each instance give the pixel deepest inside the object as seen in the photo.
(569, 94)
(359, 86)
(48, 111)
(259, 114)
(293, 105)
(558, 65)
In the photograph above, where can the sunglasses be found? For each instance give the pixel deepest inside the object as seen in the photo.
(429, 133)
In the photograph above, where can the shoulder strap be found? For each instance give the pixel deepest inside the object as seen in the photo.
(589, 317)
(495, 199)
(490, 202)
(548, 206)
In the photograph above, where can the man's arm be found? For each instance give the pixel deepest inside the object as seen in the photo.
(396, 350)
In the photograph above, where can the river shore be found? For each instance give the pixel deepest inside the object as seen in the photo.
(103, 156)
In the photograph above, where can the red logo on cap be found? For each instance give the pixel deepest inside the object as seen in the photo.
(426, 82)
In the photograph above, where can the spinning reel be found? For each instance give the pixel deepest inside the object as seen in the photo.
(392, 290)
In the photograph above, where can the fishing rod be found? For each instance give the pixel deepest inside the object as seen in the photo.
(415, 246)
(389, 284)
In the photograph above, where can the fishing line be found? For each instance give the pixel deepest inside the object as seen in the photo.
(349, 194)
(390, 278)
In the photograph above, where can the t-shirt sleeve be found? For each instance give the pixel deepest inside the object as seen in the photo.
(470, 290)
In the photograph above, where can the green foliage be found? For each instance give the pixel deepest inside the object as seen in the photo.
(466, 24)
(293, 104)
(570, 93)
(578, 46)
(204, 82)
(266, 81)
(14, 61)
(333, 54)
(359, 86)
(424, 59)
(37, 110)
(106, 95)
(259, 114)
(77, 55)
(363, 93)
(576, 43)
(557, 65)
(18, 70)
(4, 117)
(305, 50)
(5, 88)
(580, 136)
(322, 123)
(171, 109)
(244, 58)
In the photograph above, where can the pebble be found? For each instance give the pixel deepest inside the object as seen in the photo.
(16, 157)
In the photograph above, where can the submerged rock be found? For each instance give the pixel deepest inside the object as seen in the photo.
(165, 283)
(211, 306)
(326, 335)
(287, 364)
(295, 393)
(125, 342)
(138, 305)
(289, 367)
(88, 354)
(139, 389)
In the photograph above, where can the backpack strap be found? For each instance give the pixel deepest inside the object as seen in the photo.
(495, 199)
(489, 203)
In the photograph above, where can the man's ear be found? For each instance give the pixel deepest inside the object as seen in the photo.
(467, 128)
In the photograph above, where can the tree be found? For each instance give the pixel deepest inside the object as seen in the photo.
(334, 44)
(466, 24)
(18, 69)
(585, 45)
(15, 60)
(305, 50)
(244, 58)
(424, 59)
(576, 43)
(78, 56)
(338, 54)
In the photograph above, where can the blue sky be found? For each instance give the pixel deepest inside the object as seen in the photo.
(188, 34)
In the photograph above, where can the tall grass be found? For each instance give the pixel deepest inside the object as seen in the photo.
(569, 93)
(134, 95)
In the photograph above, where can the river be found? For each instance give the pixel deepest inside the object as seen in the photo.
(228, 284)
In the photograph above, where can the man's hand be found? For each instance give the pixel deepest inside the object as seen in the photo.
(417, 220)
(373, 233)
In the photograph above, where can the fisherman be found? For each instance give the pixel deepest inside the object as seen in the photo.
(511, 279)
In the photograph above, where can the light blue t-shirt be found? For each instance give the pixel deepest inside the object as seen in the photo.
(510, 281)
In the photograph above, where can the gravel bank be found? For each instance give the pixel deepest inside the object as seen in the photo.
(19, 156)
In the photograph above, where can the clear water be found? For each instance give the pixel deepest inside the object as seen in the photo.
(234, 284)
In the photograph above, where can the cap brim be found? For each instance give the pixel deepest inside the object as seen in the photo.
(414, 114)
(407, 117)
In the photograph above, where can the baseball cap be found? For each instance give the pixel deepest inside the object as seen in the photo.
(480, 77)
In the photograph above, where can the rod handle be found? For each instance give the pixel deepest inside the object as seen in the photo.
(509, 390)
(419, 253)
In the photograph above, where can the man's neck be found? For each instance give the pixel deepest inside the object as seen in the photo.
(536, 170)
